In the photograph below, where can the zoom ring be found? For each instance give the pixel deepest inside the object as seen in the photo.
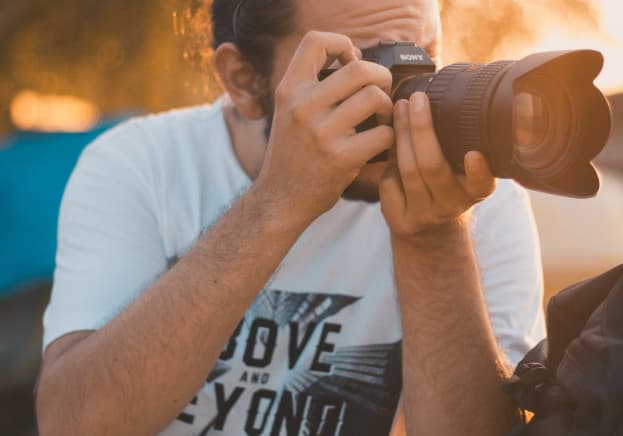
(440, 88)
(440, 85)
(471, 118)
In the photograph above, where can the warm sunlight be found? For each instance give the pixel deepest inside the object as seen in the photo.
(52, 113)
(555, 33)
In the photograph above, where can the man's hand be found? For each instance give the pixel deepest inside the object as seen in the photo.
(450, 362)
(421, 191)
(314, 152)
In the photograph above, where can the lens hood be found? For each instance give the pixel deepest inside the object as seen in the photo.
(581, 119)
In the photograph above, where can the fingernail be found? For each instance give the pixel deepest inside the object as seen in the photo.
(418, 101)
(476, 160)
(402, 109)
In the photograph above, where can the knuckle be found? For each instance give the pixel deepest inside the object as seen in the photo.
(367, 95)
(342, 38)
(388, 102)
(404, 227)
(387, 75)
(282, 93)
(380, 133)
(312, 37)
(358, 69)
(319, 136)
(409, 171)
(384, 76)
(386, 135)
(368, 72)
(337, 154)
(433, 168)
(375, 95)
(298, 113)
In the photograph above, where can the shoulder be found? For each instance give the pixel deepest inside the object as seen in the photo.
(182, 122)
(156, 150)
(157, 133)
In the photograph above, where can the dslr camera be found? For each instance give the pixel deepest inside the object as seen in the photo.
(539, 120)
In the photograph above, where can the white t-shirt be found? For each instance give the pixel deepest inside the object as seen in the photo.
(318, 352)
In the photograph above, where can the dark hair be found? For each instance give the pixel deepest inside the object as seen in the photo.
(260, 24)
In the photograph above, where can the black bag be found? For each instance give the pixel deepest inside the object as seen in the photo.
(573, 380)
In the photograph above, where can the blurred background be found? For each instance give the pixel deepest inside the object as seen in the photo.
(71, 69)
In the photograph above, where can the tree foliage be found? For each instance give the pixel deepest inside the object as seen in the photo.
(123, 55)
(126, 55)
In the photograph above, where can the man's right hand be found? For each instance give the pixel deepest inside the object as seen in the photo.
(136, 373)
(314, 152)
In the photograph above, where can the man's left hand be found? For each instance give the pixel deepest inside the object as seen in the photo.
(420, 191)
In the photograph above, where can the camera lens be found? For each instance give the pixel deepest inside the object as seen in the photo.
(531, 120)
(539, 120)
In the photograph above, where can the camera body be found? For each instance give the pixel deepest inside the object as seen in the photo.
(404, 59)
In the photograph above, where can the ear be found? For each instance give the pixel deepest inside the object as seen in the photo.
(242, 82)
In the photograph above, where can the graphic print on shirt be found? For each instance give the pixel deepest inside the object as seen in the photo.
(286, 371)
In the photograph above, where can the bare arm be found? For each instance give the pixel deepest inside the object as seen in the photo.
(147, 363)
(451, 369)
(135, 374)
(451, 374)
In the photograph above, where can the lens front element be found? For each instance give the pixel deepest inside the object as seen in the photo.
(531, 120)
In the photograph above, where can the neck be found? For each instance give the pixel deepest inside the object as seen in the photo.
(247, 138)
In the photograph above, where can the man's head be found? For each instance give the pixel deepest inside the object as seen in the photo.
(254, 41)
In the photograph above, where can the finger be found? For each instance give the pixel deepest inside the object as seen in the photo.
(478, 182)
(334, 64)
(391, 154)
(313, 52)
(347, 80)
(432, 164)
(358, 149)
(415, 189)
(366, 102)
(391, 193)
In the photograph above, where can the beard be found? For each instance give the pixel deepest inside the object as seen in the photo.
(363, 188)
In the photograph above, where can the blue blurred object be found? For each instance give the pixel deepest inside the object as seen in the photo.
(34, 168)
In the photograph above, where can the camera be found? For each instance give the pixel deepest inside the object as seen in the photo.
(539, 120)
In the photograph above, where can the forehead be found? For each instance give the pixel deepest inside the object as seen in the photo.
(367, 22)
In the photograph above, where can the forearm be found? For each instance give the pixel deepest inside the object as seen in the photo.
(134, 375)
(452, 372)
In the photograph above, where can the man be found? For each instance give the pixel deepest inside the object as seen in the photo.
(344, 307)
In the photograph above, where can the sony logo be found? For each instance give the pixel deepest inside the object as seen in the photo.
(411, 57)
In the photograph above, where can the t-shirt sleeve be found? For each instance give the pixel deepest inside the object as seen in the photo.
(507, 246)
(109, 241)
